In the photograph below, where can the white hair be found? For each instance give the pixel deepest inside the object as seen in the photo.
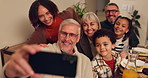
(70, 21)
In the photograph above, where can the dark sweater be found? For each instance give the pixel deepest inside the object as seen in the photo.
(84, 47)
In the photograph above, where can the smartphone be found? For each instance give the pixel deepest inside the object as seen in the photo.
(54, 63)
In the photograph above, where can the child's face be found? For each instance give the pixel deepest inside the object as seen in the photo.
(104, 46)
(121, 27)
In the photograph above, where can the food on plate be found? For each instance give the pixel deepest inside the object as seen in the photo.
(137, 67)
(146, 46)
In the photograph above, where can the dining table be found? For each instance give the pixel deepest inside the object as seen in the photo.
(119, 71)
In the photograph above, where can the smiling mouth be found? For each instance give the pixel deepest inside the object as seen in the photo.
(118, 30)
(66, 42)
(90, 32)
(49, 20)
(102, 51)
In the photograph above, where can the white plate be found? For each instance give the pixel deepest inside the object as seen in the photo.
(142, 51)
(139, 63)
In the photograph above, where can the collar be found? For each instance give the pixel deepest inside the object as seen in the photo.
(109, 23)
(114, 54)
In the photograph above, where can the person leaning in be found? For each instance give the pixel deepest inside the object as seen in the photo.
(46, 19)
(68, 36)
(90, 24)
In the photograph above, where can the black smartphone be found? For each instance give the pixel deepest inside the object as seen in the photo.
(54, 63)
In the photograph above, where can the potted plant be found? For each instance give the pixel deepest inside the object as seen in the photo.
(135, 17)
(80, 8)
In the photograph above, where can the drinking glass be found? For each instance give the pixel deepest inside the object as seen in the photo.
(130, 70)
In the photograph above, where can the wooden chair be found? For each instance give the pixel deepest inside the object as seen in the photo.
(5, 55)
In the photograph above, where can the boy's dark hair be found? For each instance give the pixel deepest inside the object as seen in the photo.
(102, 33)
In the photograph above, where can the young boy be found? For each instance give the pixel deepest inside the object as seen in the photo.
(106, 62)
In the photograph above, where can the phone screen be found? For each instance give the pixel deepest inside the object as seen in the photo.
(54, 63)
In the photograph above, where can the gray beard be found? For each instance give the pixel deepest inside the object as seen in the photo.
(65, 51)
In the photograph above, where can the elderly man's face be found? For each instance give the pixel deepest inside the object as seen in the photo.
(68, 37)
(111, 13)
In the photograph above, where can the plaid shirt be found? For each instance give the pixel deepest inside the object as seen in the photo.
(101, 69)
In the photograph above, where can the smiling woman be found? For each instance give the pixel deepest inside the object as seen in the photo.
(42, 15)
(46, 19)
(90, 24)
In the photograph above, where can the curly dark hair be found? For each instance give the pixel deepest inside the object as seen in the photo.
(104, 32)
(33, 12)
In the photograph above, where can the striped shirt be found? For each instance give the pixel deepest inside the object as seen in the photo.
(122, 45)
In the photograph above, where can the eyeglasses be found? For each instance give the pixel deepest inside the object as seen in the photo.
(71, 35)
(111, 11)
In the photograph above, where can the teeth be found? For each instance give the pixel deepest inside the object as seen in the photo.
(47, 22)
(66, 43)
(117, 30)
(111, 16)
(90, 32)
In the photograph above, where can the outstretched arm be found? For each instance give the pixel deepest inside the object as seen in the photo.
(18, 64)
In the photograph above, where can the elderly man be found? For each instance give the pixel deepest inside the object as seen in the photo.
(112, 13)
(69, 35)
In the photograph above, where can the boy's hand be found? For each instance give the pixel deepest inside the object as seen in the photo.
(123, 54)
